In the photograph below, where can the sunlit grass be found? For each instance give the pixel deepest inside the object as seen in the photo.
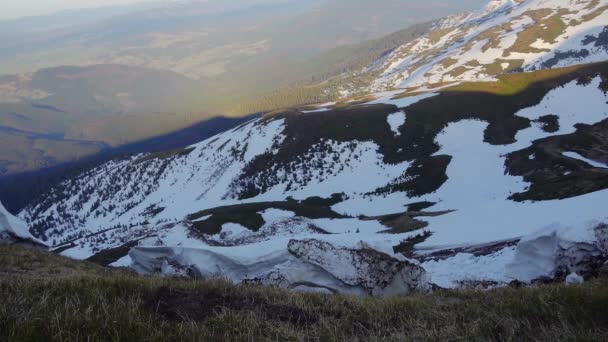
(89, 303)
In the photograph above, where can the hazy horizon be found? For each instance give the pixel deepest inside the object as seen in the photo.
(92, 79)
(32, 8)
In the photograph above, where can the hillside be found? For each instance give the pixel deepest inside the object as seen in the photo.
(172, 73)
(18, 190)
(84, 300)
(503, 37)
(275, 200)
(66, 113)
(134, 73)
(206, 39)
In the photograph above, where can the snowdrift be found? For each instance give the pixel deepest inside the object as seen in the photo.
(306, 265)
(14, 230)
(558, 251)
(554, 253)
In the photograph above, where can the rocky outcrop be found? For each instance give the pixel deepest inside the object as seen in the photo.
(306, 265)
(282, 227)
(376, 272)
(13, 230)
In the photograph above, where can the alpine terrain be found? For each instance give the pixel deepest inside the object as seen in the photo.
(476, 154)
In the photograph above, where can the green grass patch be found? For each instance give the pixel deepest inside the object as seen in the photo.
(511, 84)
(496, 68)
(548, 27)
(448, 62)
(435, 36)
(119, 306)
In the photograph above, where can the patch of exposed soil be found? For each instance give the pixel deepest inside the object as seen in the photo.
(549, 123)
(404, 222)
(477, 250)
(555, 176)
(248, 214)
(180, 305)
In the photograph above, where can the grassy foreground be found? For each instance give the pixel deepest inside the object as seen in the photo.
(44, 297)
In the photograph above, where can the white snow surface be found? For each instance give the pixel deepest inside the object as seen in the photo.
(539, 254)
(390, 97)
(12, 227)
(235, 230)
(478, 188)
(125, 261)
(272, 214)
(396, 120)
(593, 163)
(464, 267)
(574, 278)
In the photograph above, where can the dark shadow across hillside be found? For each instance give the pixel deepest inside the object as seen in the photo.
(16, 191)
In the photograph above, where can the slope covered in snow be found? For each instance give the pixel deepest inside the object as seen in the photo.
(505, 36)
(435, 181)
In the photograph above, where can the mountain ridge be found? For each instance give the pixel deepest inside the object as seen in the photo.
(269, 169)
(504, 36)
(423, 178)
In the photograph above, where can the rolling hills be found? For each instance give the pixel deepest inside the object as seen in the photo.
(74, 87)
(66, 113)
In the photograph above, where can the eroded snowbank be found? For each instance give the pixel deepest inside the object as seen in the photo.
(15, 230)
(311, 265)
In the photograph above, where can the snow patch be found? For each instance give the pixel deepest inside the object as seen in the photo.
(577, 156)
(125, 261)
(396, 120)
(204, 218)
(272, 214)
(556, 248)
(464, 267)
(14, 229)
(574, 278)
(234, 230)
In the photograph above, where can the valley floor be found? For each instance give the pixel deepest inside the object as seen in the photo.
(46, 297)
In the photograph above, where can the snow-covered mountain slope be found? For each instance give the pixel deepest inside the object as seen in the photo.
(504, 36)
(438, 180)
(15, 230)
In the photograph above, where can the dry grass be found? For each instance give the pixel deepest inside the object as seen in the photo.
(548, 27)
(511, 84)
(90, 303)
